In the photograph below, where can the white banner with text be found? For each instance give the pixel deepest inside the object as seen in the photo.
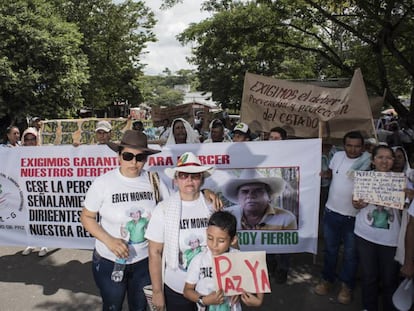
(42, 190)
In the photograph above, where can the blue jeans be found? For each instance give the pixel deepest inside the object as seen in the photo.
(136, 276)
(339, 229)
(377, 267)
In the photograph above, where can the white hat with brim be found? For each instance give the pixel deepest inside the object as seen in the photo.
(192, 237)
(189, 163)
(251, 176)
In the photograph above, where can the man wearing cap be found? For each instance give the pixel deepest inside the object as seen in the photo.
(253, 194)
(241, 132)
(103, 132)
(114, 195)
(36, 123)
(217, 133)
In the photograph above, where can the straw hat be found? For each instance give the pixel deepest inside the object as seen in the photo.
(249, 176)
(135, 140)
(189, 163)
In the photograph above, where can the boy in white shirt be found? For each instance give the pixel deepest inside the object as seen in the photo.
(199, 286)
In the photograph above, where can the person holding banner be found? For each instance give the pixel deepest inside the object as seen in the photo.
(103, 132)
(12, 137)
(183, 215)
(339, 220)
(218, 133)
(123, 197)
(182, 133)
(279, 264)
(377, 229)
(30, 137)
(200, 286)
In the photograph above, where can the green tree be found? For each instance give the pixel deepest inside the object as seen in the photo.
(223, 56)
(42, 67)
(114, 38)
(326, 38)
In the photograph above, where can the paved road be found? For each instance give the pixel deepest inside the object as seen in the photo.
(62, 281)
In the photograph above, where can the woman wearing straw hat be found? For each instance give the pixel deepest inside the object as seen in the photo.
(183, 215)
(252, 193)
(114, 195)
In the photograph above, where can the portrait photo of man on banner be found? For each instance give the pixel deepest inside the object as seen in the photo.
(257, 202)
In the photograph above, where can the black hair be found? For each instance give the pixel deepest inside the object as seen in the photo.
(354, 135)
(225, 221)
(217, 123)
(381, 146)
(375, 152)
(8, 131)
(281, 131)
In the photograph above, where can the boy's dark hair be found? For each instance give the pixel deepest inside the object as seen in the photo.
(225, 221)
(281, 131)
(354, 135)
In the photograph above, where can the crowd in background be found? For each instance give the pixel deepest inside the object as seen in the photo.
(343, 220)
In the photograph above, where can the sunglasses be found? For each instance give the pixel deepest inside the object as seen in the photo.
(193, 176)
(139, 157)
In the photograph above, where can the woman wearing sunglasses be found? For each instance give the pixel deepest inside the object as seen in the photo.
(120, 263)
(184, 215)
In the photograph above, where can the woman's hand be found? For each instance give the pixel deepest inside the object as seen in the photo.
(118, 246)
(158, 300)
(359, 204)
(214, 199)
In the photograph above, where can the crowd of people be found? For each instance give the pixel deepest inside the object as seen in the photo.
(148, 244)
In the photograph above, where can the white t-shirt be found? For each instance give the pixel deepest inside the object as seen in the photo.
(342, 185)
(117, 199)
(200, 273)
(378, 224)
(193, 225)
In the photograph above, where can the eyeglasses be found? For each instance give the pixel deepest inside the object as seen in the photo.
(139, 157)
(193, 176)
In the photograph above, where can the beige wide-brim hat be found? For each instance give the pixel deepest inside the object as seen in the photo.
(250, 176)
(189, 163)
(135, 140)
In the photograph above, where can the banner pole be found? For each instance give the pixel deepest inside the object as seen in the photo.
(320, 135)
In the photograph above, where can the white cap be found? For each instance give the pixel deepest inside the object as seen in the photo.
(242, 127)
(103, 126)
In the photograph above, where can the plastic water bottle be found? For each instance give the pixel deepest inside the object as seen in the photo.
(118, 272)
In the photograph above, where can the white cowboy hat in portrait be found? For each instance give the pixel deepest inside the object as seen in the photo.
(249, 176)
(189, 163)
(192, 238)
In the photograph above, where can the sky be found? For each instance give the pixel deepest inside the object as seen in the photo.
(167, 52)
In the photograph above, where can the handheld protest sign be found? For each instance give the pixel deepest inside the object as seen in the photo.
(241, 271)
(380, 188)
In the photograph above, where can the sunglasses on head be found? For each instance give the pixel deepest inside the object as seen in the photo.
(139, 157)
(184, 175)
